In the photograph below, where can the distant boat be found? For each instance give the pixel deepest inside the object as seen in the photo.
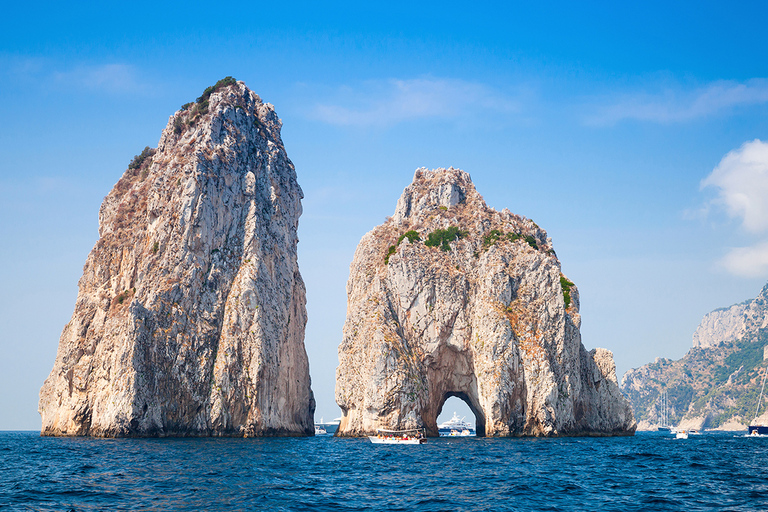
(755, 429)
(681, 434)
(412, 436)
(320, 430)
(664, 427)
(456, 427)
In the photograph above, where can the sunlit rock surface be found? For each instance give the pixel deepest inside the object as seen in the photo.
(191, 310)
(484, 317)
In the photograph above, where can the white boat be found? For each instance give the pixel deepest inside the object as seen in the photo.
(456, 427)
(755, 429)
(681, 434)
(412, 436)
(320, 430)
(665, 426)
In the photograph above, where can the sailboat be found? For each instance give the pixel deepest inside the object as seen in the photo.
(664, 427)
(755, 429)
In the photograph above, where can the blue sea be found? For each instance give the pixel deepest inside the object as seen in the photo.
(650, 471)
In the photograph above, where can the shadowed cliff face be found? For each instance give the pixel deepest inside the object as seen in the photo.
(452, 298)
(191, 310)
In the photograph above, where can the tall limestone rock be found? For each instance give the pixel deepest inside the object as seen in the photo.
(191, 310)
(452, 298)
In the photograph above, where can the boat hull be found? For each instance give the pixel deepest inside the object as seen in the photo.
(394, 440)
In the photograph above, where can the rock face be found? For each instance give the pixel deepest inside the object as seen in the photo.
(717, 383)
(729, 324)
(452, 298)
(191, 310)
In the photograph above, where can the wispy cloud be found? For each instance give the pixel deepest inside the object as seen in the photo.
(677, 105)
(112, 78)
(741, 180)
(389, 102)
(747, 261)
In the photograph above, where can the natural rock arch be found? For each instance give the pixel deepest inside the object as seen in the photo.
(474, 405)
(452, 298)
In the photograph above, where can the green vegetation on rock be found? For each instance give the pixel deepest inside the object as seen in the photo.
(200, 106)
(566, 285)
(442, 237)
(139, 159)
(390, 252)
(496, 235)
(412, 237)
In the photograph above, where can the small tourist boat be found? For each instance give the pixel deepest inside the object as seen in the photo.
(320, 430)
(681, 434)
(412, 436)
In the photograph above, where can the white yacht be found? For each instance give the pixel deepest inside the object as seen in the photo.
(456, 427)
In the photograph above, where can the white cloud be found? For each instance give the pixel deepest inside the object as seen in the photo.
(45, 73)
(107, 78)
(741, 178)
(388, 102)
(672, 106)
(748, 261)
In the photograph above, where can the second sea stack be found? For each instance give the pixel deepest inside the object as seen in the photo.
(190, 314)
(452, 298)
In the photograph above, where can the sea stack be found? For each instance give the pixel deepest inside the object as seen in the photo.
(452, 298)
(190, 315)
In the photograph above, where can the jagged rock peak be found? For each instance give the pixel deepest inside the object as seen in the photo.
(191, 311)
(732, 323)
(432, 189)
(452, 298)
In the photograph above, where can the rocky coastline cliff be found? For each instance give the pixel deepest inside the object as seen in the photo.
(716, 385)
(190, 315)
(452, 298)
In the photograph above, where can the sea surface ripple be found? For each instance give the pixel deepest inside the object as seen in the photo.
(650, 471)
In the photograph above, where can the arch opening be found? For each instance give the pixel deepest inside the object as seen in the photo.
(461, 406)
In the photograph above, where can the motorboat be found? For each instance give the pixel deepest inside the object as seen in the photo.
(412, 436)
(320, 430)
(681, 434)
(456, 427)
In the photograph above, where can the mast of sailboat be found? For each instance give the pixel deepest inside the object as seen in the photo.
(760, 400)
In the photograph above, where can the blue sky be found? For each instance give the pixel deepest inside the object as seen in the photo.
(632, 133)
